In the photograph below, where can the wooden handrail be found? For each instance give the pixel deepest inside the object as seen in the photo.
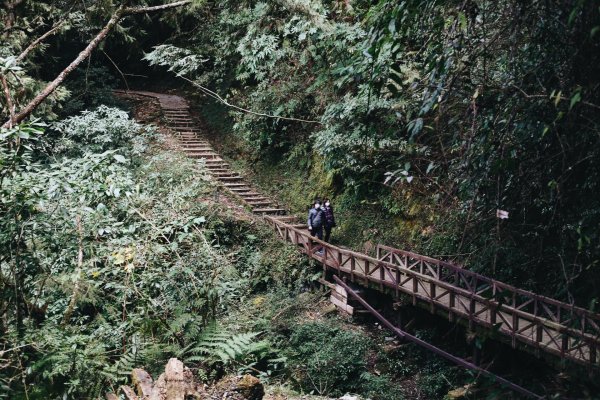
(526, 319)
(571, 309)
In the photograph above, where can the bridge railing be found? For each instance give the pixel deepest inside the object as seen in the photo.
(545, 324)
(573, 320)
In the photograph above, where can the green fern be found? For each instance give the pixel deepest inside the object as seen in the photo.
(216, 345)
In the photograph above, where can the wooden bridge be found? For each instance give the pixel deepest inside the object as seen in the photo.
(539, 323)
(523, 319)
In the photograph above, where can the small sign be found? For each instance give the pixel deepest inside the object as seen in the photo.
(502, 214)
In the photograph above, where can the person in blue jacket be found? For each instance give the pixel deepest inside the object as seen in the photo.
(315, 220)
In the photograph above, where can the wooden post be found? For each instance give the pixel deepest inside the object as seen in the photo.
(451, 305)
(564, 348)
(515, 329)
(432, 295)
(471, 313)
(398, 278)
(415, 289)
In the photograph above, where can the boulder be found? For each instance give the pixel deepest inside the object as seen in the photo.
(250, 387)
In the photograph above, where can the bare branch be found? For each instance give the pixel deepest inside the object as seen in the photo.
(244, 110)
(39, 40)
(118, 69)
(144, 10)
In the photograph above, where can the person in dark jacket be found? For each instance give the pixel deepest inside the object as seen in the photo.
(328, 220)
(315, 220)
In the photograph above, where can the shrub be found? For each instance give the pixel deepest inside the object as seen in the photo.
(327, 360)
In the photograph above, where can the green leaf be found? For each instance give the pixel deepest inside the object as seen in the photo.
(557, 98)
(576, 98)
(119, 158)
(392, 26)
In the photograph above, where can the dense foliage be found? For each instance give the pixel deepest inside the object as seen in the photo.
(420, 119)
(437, 113)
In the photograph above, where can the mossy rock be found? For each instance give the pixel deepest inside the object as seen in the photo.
(250, 387)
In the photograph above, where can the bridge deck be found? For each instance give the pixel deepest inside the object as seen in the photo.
(545, 324)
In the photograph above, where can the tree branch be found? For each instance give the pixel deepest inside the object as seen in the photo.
(216, 96)
(39, 40)
(144, 10)
(118, 69)
(51, 87)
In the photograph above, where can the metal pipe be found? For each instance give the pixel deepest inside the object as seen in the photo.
(432, 348)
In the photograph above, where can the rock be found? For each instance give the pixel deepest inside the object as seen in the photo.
(250, 387)
(128, 393)
(459, 393)
(142, 381)
(176, 383)
(349, 397)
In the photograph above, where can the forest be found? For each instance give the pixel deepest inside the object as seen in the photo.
(465, 131)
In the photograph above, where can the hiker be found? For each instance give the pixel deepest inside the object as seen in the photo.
(315, 220)
(328, 220)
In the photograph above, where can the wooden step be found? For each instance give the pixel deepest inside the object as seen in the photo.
(269, 211)
(230, 178)
(235, 185)
(223, 174)
(205, 156)
(200, 153)
(193, 142)
(216, 163)
(199, 148)
(252, 197)
(259, 203)
(217, 169)
(246, 192)
(171, 120)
